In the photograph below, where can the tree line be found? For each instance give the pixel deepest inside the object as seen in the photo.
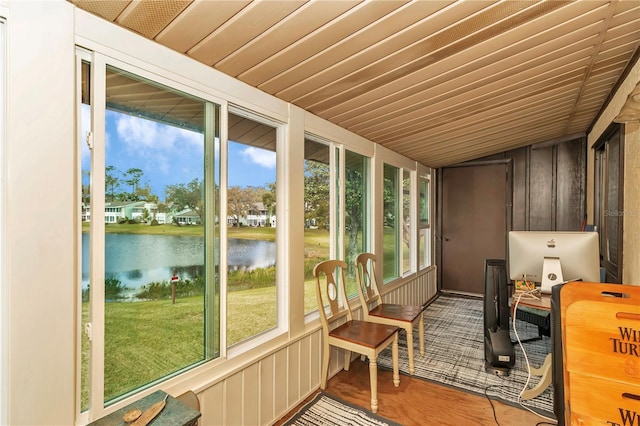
(132, 186)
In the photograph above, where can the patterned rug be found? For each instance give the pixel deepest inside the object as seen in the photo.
(454, 354)
(326, 410)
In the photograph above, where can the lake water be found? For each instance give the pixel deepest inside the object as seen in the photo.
(137, 260)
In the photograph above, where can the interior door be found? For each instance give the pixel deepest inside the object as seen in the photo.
(475, 217)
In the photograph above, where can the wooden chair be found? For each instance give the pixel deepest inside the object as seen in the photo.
(374, 310)
(365, 338)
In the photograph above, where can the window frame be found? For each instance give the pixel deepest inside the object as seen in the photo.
(282, 307)
(401, 167)
(368, 230)
(333, 158)
(99, 63)
(425, 175)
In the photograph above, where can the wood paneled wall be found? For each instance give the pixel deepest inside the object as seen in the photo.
(263, 391)
(549, 186)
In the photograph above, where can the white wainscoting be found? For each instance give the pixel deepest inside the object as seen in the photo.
(265, 390)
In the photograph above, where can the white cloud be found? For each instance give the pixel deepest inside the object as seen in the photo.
(261, 157)
(148, 136)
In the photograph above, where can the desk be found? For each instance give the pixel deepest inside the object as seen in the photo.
(544, 304)
(175, 413)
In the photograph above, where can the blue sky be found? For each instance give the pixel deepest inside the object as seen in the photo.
(169, 155)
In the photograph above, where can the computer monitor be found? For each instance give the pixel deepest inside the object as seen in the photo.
(553, 257)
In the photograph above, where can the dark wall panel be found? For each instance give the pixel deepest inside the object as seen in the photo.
(520, 194)
(541, 189)
(549, 186)
(571, 180)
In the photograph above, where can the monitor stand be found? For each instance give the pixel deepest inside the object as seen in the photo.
(551, 274)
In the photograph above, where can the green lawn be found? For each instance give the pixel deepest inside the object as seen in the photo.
(148, 340)
(246, 232)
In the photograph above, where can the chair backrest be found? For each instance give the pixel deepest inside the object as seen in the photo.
(368, 289)
(330, 291)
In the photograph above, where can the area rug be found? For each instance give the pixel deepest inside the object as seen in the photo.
(454, 354)
(327, 410)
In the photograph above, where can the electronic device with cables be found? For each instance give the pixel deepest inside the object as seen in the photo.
(499, 354)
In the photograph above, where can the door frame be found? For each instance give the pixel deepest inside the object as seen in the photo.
(613, 273)
(508, 162)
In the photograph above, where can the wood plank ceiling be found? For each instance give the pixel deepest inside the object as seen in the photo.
(439, 81)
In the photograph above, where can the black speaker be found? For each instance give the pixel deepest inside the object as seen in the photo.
(499, 354)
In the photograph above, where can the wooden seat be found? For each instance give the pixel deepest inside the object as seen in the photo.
(363, 337)
(375, 310)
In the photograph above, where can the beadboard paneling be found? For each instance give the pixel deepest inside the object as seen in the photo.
(266, 389)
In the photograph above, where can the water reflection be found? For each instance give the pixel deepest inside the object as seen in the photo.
(137, 260)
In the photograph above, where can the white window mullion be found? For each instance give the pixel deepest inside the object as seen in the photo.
(210, 237)
(97, 231)
(413, 220)
(224, 163)
(341, 198)
(334, 220)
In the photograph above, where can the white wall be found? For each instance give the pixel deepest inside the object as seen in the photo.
(39, 215)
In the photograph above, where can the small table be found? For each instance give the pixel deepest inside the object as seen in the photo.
(544, 304)
(175, 413)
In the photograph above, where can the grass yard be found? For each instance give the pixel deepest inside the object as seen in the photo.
(245, 232)
(148, 340)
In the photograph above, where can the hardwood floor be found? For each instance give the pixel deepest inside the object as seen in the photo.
(421, 403)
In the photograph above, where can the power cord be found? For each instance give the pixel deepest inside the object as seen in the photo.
(493, 408)
(526, 359)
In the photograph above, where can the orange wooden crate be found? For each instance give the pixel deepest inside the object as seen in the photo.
(596, 401)
(601, 341)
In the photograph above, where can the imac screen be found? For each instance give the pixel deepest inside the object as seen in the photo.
(552, 257)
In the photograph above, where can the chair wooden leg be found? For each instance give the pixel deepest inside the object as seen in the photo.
(409, 331)
(394, 355)
(347, 360)
(373, 379)
(325, 367)
(421, 334)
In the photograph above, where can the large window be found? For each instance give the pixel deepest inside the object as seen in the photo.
(392, 223)
(317, 214)
(149, 202)
(424, 237)
(252, 301)
(178, 225)
(356, 213)
(398, 239)
(407, 223)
